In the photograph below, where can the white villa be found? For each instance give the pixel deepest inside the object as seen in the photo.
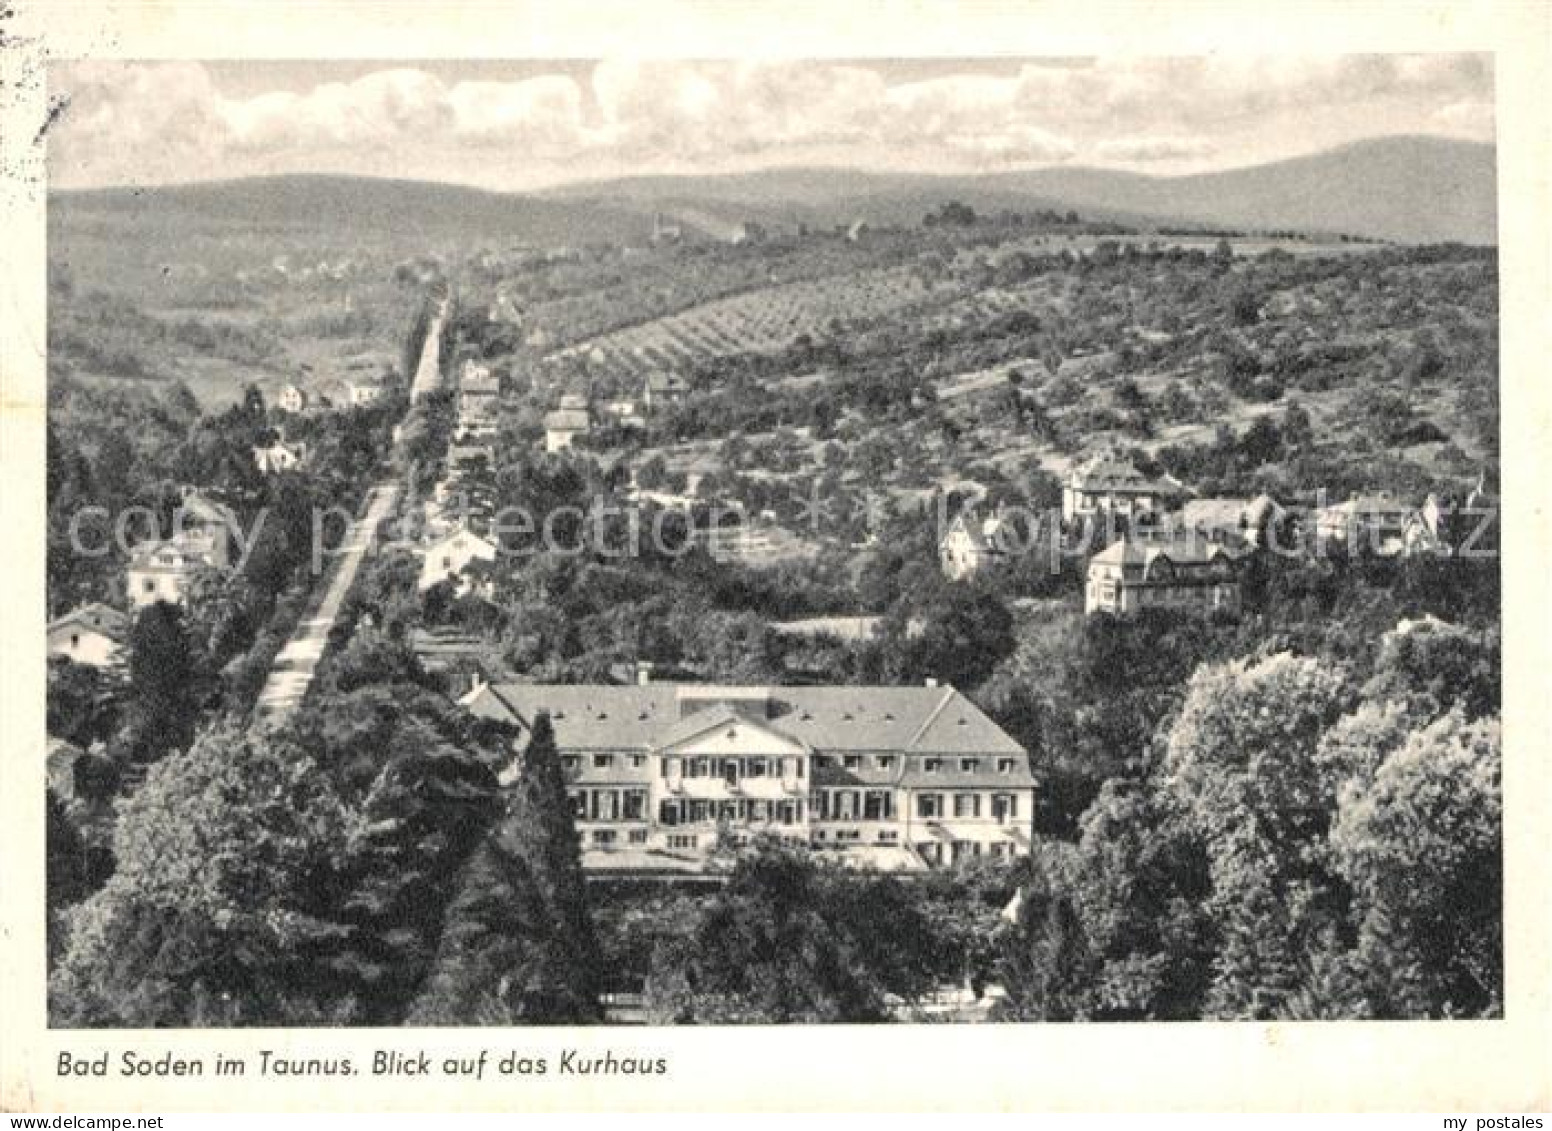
(91, 634)
(566, 423)
(1181, 570)
(447, 555)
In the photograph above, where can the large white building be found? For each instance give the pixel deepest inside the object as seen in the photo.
(660, 774)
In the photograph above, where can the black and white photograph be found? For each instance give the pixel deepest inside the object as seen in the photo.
(775, 543)
(575, 548)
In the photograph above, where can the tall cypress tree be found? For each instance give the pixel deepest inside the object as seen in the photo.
(518, 946)
(164, 682)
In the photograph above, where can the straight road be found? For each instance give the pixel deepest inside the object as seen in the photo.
(293, 670)
(292, 673)
(428, 374)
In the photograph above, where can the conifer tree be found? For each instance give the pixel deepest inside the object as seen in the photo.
(518, 946)
(164, 682)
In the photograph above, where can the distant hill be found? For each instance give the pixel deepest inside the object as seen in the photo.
(411, 211)
(1410, 189)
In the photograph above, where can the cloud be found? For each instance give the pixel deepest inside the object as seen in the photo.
(122, 114)
(687, 110)
(374, 110)
(1205, 89)
(1154, 148)
(1473, 118)
(1015, 145)
(543, 114)
(155, 122)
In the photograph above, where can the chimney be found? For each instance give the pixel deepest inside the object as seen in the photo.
(930, 681)
(643, 672)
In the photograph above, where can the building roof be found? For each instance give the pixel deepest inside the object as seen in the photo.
(96, 617)
(478, 379)
(567, 420)
(660, 382)
(985, 534)
(871, 719)
(1214, 514)
(1360, 505)
(470, 453)
(459, 531)
(188, 550)
(1185, 548)
(1111, 472)
(199, 508)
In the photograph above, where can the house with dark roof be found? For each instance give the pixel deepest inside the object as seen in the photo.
(1108, 485)
(896, 777)
(1182, 570)
(663, 389)
(971, 543)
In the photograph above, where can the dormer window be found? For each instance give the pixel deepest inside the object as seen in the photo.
(853, 761)
(969, 765)
(931, 765)
(886, 761)
(1004, 765)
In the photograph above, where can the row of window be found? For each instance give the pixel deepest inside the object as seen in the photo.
(827, 805)
(609, 804)
(696, 811)
(964, 850)
(852, 836)
(606, 837)
(1000, 806)
(958, 850)
(853, 804)
(732, 769)
(603, 761)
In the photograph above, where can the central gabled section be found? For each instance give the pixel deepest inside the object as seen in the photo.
(719, 753)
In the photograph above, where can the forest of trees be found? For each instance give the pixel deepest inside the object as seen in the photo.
(1290, 814)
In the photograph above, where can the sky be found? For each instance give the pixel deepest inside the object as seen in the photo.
(526, 125)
